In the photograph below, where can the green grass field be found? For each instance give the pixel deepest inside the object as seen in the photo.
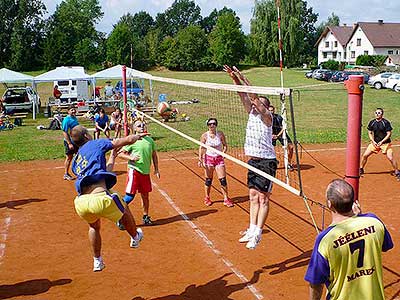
(320, 114)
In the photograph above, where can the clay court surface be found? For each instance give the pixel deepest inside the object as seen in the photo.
(192, 251)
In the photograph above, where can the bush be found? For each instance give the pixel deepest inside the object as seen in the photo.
(331, 65)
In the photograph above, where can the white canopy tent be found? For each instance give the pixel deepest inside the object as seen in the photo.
(116, 73)
(63, 73)
(8, 76)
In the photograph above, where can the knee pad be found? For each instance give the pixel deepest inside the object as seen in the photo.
(128, 198)
(223, 181)
(208, 182)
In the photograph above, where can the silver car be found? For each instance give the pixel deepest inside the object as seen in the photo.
(20, 98)
(379, 81)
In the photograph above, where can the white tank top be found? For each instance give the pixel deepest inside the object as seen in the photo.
(258, 138)
(214, 142)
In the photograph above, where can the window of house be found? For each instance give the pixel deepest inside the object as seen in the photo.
(325, 55)
(390, 51)
(326, 44)
(353, 54)
(334, 55)
(366, 52)
(358, 42)
(335, 43)
(345, 55)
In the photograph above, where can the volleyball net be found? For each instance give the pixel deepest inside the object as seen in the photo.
(189, 104)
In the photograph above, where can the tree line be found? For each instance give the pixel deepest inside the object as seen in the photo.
(178, 38)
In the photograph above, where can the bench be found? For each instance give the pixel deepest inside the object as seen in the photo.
(17, 117)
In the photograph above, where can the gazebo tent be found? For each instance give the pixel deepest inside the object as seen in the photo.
(8, 76)
(116, 73)
(63, 73)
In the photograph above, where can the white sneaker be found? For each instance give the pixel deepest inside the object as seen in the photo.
(136, 240)
(253, 242)
(98, 265)
(247, 235)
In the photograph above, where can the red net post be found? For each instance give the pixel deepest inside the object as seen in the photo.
(125, 100)
(355, 91)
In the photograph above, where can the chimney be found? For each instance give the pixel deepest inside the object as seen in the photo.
(354, 25)
(344, 24)
(380, 22)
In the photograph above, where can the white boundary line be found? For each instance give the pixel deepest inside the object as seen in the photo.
(209, 243)
(3, 237)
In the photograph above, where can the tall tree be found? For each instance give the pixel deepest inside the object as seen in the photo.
(140, 23)
(227, 41)
(210, 21)
(296, 18)
(120, 43)
(179, 15)
(73, 21)
(189, 50)
(21, 24)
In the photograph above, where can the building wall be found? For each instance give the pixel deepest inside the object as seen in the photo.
(327, 49)
(359, 45)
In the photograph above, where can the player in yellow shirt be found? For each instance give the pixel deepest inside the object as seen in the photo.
(347, 256)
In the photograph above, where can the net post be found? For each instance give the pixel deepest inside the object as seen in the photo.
(355, 91)
(295, 142)
(125, 100)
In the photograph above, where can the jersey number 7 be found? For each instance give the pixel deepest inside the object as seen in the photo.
(360, 245)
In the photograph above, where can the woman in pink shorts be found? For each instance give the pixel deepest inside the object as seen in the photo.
(210, 160)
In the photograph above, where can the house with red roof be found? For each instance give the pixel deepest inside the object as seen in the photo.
(346, 43)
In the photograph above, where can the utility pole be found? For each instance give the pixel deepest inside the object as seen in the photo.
(131, 57)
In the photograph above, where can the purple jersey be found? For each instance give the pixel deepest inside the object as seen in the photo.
(90, 164)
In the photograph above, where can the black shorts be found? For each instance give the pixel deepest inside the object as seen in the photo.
(280, 139)
(70, 151)
(258, 182)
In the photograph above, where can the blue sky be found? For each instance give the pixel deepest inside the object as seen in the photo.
(349, 11)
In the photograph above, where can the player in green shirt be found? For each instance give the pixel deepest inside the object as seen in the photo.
(140, 155)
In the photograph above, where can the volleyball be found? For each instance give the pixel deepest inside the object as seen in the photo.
(162, 108)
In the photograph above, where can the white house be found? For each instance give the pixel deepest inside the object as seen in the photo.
(392, 60)
(332, 43)
(370, 38)
(373, 38)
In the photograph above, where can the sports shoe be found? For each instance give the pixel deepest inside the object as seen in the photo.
(253, 242)
(136, 240)
(228, 202)
(120, 226)
(98, 265)
(361, 171)
(247, 235)
(207, 201)
(68, 177)
(147, 220)
(290, 167)
(397, 175)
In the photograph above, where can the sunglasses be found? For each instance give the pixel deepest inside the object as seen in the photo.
(140, 125)
(212, 123)
(378, 112)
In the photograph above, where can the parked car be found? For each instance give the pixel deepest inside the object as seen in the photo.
(348, 73)
(318, 73)
(338, 76)
(310, 73)
(379, 81)
(133, 89)
(20, 98)
(393, 81)
(326, 76)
